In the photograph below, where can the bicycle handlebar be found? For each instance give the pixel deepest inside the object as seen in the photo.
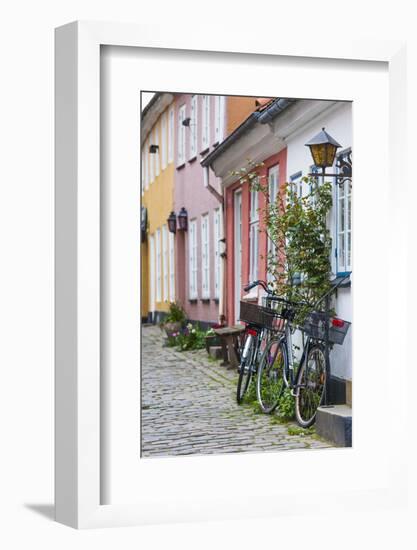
(259, 282)
(270, 293)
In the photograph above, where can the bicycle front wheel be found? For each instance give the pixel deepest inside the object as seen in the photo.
(311, 381)
(245, 367)
(271, 375)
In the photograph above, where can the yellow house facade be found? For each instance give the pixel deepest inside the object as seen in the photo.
(157, 175)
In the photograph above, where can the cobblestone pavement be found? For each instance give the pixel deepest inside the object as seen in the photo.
(189, 406)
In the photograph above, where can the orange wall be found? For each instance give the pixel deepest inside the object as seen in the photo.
(238, 109)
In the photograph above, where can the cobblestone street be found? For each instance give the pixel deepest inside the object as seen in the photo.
(189, 406)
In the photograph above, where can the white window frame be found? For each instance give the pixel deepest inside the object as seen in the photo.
(171, 125)
(193, 127)
(217, 233)
(219, 110)
(152, 271)
(146, 152)
(343, 228)
(158, 265)
(192, 260)
(164, 140)
(205, 256)
(297, 180)
(273, 190)
(205, 123)
(142, 172)
(165, 262)
(171, 247)
(181, 136)
(156, 154)
(151, 163)
(253, 235)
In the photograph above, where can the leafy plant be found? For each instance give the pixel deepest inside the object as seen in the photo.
(191, 338)
(300, 263)
(297, 226)
(176, 314)
(286, 406)
(297, 430)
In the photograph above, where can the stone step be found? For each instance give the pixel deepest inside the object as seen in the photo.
(334, 423)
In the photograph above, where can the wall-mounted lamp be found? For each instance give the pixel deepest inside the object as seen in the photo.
(153, 149)
(172, 222)
(186, 122)
(183, 219)
(323, 150)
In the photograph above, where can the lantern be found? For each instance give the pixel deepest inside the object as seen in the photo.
(323, 149)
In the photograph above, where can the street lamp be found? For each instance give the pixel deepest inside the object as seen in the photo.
(183, 219)
(323, 148)
(172, 222)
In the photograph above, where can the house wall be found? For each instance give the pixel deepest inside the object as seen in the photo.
(158, 198)
(238, 109)
(191, 193)
(279, 159)
(338, 123)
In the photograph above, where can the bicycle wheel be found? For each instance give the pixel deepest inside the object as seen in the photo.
(311, 381)
(271, 375)
(245, 367)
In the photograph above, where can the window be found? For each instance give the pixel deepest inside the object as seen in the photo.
(193, 127)
(142, 172)
(146, 155)
(158, 264)
(344, 225)
(253, 236)
(205, 257)
(218, 118)
(273, 187)
(181, 136)
(217, 257)
(165, 261)
(171, 267)
(205, 125)
(151, 164)
(192, 260)
(171, 135)
(296, 180)
(152, 270)
(164, 141)
(156, 154)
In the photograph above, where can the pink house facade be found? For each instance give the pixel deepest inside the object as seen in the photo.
(201, 124)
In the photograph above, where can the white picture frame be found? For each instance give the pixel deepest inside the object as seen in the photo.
(78, 404)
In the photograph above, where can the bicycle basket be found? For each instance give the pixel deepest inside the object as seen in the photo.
(315, 326)
(258, 315)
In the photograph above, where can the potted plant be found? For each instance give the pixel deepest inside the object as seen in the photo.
(175, 319)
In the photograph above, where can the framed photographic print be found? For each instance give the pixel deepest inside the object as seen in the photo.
(221, 221)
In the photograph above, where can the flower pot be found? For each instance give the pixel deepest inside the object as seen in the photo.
(172, 328)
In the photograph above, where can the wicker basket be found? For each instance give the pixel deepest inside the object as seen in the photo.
(260, 316)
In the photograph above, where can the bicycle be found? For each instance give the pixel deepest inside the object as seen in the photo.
(276, 370)
(260, 325)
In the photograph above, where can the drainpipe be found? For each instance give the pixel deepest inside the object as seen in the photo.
(222, 289)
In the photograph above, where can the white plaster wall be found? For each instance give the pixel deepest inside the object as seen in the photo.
(338, 123)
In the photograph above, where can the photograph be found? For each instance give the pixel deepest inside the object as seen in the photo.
(246, 274)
